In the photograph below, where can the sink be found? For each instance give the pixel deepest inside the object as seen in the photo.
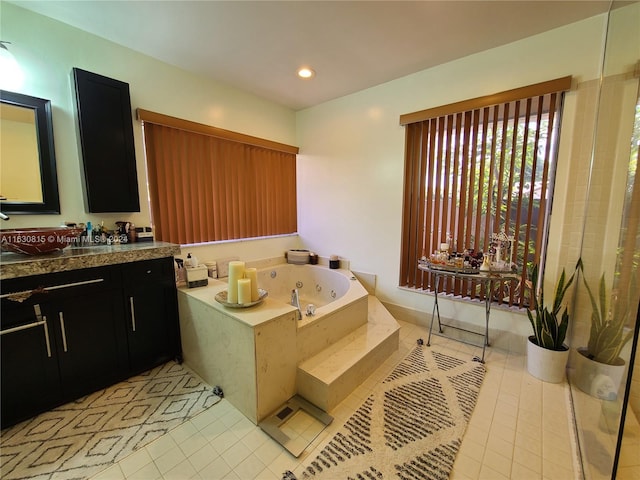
(38, 240)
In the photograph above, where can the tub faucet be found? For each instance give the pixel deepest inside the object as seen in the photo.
(295, 301)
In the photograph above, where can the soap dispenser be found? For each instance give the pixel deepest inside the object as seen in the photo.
(192, 261)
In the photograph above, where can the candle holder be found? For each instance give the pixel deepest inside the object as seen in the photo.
(222, 297)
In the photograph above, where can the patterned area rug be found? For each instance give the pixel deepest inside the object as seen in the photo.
(81, 438)
(411, 426)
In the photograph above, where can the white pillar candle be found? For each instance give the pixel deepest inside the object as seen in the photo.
(252, 274)
(236, 272)
(244, 290)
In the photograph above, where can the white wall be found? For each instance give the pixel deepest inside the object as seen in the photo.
(351, 163)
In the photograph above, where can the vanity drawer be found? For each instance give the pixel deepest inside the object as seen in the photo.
(159, 270)
(40, 288)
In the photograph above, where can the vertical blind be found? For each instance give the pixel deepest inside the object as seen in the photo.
(206, 188)
(478, 168)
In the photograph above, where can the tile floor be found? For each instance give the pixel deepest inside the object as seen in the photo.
(507, 436)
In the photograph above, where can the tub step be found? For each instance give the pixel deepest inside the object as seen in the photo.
(331, 375)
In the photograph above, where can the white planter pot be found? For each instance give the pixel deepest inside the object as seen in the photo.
(598, 379)
(546, 365)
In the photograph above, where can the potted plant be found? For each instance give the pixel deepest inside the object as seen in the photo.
(547, 354)
(598, 367)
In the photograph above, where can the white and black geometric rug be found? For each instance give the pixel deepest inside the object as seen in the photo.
(81, 438)
(411, 426)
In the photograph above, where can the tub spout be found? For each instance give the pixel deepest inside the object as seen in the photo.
(295, 301)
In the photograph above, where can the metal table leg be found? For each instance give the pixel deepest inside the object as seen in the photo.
(487, 282)
(436, 309)
(487, 312)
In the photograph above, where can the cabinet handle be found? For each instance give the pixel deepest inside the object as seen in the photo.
(22, 296)
(133, 314)
(64, 332)
(42, 320)
(36, 309)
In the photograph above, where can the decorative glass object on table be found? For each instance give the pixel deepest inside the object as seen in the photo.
(501, 246)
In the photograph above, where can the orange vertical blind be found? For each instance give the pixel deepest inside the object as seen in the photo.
(205, 188)
(476, 172)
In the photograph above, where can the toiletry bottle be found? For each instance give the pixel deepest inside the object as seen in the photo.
(180, 275)
(132, 234)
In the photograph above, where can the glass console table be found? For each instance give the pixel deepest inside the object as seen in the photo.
(487, 279)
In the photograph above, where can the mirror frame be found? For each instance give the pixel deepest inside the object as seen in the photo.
(48, 174)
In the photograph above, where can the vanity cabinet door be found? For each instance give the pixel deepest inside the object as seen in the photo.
(90, 340)
(29, 377)
(152, 313)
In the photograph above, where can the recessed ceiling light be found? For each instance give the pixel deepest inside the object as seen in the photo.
(306, 72)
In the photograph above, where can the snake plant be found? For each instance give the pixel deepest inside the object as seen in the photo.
(550, 326)
(608, 319)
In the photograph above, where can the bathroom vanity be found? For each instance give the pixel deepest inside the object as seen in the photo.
(76, 321)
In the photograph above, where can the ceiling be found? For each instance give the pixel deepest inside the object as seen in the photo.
(257, 46)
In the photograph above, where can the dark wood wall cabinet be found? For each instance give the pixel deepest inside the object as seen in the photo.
(82, 331)
(105, 129)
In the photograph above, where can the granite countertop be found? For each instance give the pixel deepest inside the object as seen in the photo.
(14, 265)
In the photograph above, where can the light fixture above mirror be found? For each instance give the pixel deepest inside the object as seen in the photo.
(11, 75)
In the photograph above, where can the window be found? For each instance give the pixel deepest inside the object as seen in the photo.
(208, 184)
(477, 168)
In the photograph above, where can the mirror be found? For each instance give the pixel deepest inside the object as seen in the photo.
(28, 176)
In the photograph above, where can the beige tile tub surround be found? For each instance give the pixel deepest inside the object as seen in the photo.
(249, 352)
(263, 355)
(329, 377)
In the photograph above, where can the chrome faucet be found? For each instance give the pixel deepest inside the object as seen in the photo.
(295, 301)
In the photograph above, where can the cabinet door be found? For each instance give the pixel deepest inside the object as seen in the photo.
(151, 301)
(29, 370)
(106, 138)
(90, 341)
